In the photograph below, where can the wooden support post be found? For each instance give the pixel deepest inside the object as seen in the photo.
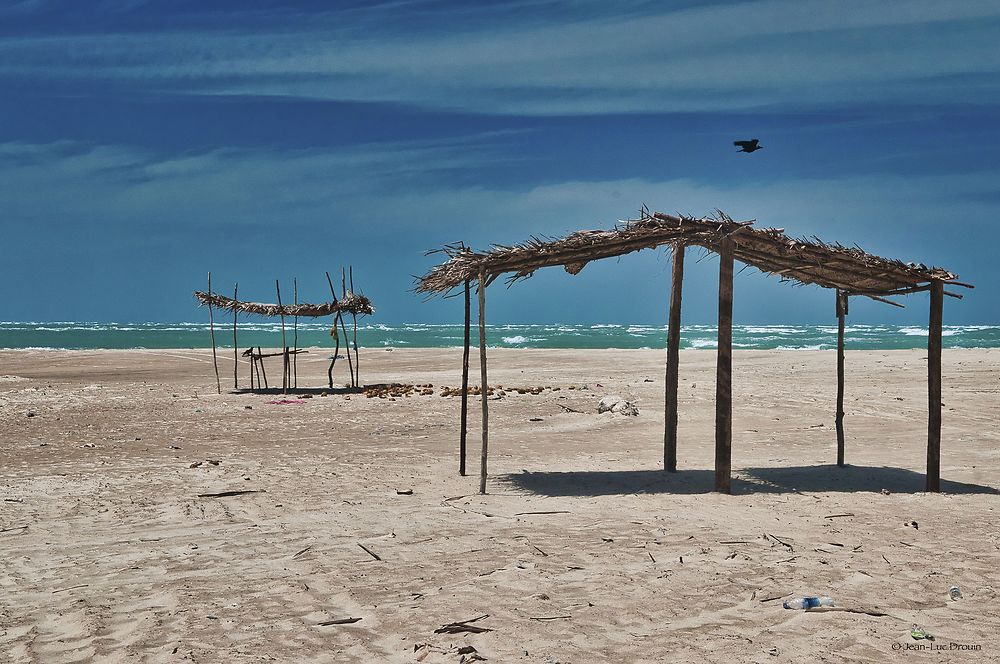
(934, 388)
(841, 313)
(236, 348)
(295, 342)
(724, 372)
(465, 384)
(347, 344)
(284, 344)
(260, 358)
(211, 326)
(354, 319)
(484, 389)
(673, 360)
(335, 332)
(343, 326)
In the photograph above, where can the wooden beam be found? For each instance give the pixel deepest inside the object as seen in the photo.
(934, 388)
(673, 360)
(841, 313)
(485, 383)
(724, 372)
(465, 384)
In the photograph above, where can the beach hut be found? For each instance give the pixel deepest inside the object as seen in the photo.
(849, 271)
(349, 303)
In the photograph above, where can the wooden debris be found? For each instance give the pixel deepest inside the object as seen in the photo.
(462, 626)
(12, 528)
(225, 494)
(837, 516)
(771, 599)
(369, 551)
(339, 621)
(549, 512)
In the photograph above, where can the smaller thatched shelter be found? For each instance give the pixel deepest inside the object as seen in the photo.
(348, 304)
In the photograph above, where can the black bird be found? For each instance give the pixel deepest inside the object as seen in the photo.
(748, 146)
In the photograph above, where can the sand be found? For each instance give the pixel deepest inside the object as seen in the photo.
(583, 551)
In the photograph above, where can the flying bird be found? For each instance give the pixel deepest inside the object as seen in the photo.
(748, 146)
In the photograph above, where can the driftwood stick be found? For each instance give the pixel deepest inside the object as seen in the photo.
(369, 551)
(465, 386)
(485, 382)
(211, 326)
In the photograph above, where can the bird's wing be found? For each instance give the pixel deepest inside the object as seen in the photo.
(741, 144)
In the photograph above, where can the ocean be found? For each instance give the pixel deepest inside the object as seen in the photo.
(72, 335)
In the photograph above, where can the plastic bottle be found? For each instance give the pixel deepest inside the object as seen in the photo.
(808, 602)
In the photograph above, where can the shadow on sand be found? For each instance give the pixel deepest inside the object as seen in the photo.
(746, 481)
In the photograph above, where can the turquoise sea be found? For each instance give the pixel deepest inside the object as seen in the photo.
(74, 335)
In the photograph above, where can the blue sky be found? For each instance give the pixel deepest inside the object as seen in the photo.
(143, 143)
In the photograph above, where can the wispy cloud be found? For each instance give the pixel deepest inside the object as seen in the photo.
(719, 57)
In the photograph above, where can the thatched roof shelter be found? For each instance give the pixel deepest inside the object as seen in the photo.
(351, 303)
(808, 261)
(348, 304)
(848, 270)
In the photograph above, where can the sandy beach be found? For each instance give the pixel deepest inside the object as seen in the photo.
(582, 551)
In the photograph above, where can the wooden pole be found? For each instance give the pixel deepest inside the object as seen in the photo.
(343, 326)
(284, 344)
(485, 383)
(841, 313)
(263, 371)
(336, 334)
(211, 326)
(934, 388)
(465, 384)
(236, 348)
(724, 372)
(295, 343)
(347, 344)
(354, 319)
(673, 361)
